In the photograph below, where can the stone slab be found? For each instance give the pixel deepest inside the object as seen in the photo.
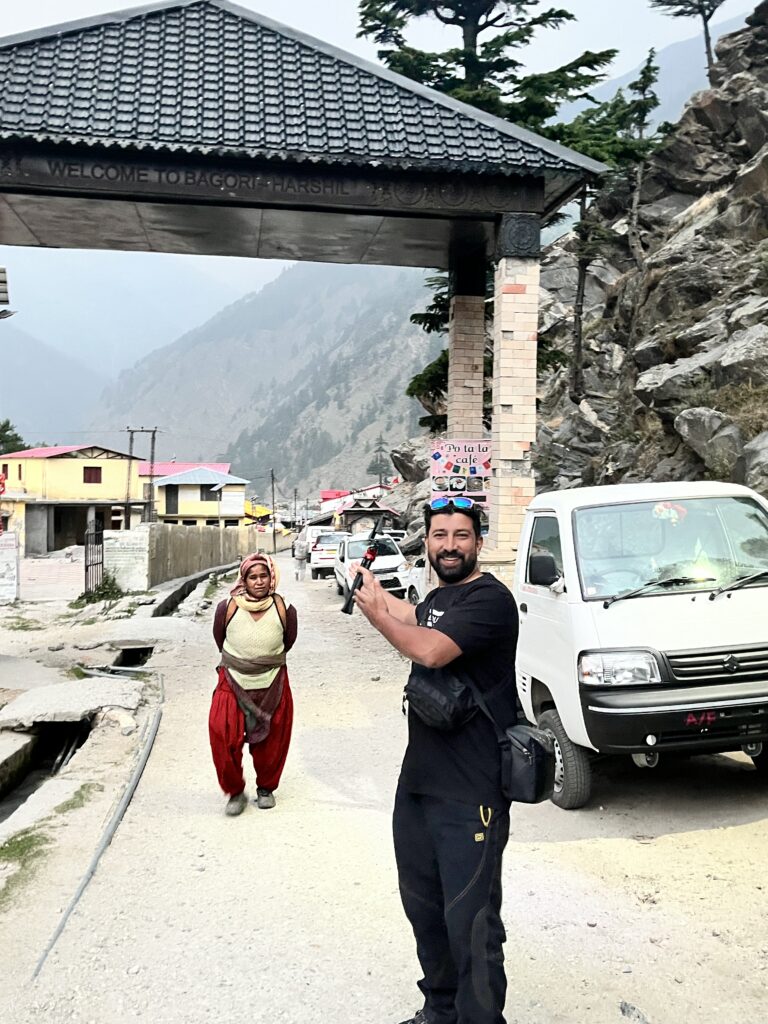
(24, 674)
(15, 755)
(70, 702)
(38, 806)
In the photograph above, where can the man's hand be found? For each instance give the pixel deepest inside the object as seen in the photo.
(371, 598)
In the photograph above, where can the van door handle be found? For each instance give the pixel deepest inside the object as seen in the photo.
(523, 607)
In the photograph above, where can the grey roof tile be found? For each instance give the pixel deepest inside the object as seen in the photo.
(204, 76)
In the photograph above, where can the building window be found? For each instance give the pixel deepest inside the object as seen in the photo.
(211, 522)
(91, 474)
(171, 522)
(207, 493)
(5, 470)
(19, 468)
(231, 522)
(189, 522)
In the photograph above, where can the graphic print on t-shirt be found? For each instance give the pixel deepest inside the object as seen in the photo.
(433, 616)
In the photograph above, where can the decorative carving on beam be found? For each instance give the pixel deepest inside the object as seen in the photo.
(519, 236)
(124, 176)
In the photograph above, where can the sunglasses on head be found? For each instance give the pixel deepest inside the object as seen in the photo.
(460, 503)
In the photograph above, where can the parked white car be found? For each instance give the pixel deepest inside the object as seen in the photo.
(390, 568)
(322, 553)
(643, 612)
(421, 580)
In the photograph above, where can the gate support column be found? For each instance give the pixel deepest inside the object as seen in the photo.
(466, 345)
(515, 326)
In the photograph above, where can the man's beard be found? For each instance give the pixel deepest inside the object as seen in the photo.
(465, 566)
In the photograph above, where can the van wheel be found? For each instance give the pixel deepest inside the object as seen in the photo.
(760, 761)
(339, 589)
(573, 770)
(413, 596)
(313, 573)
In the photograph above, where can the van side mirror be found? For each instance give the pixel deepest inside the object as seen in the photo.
(419, 563)
(542, 571)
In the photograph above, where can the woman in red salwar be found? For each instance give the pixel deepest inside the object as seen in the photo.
(254, 630)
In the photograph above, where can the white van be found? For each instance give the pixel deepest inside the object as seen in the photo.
(644, 624)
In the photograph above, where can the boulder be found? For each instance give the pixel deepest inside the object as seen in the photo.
(756, 463)
(745, 357)
(411, 459)
(669, 382)
(714, 438)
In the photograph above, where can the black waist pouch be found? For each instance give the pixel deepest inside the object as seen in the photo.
(439, 698)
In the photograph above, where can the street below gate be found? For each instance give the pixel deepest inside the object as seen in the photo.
(649, 905)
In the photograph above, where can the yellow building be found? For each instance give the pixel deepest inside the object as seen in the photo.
(53, 494)
(201, 497)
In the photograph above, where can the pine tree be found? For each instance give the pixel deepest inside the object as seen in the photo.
(379, 464)
(484, 70)
(703, 9)
(10, 439)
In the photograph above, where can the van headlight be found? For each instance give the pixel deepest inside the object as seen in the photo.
(403, 567)
(618, 668)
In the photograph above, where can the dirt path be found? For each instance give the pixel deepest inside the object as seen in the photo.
(654, 896)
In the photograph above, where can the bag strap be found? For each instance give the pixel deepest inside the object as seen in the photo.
(501, 736)
(231, 609)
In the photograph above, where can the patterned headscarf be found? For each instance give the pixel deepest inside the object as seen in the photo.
(247, 564)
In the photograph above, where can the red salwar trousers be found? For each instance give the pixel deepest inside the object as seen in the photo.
(226, 728)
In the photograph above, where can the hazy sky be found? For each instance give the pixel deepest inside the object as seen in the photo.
(627, 25)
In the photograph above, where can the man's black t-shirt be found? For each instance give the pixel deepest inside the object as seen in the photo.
(464, 764)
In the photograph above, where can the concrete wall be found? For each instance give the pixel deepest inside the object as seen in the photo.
(35, 530)
(144, 557)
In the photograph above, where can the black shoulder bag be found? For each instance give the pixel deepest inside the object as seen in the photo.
(527, 758)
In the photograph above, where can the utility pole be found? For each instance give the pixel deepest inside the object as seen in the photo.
(127, 511)
(151, 500)
(274, 514)
(295, 507)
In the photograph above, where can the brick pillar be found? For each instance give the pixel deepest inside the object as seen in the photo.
(466, 348)
(516, 315)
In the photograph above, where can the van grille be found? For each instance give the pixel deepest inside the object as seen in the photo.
(722, 664)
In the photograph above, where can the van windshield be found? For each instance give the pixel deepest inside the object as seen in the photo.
(711, 541)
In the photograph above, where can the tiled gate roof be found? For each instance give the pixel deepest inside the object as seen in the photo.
(209, 77)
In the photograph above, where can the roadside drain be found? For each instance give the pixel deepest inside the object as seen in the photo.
(50, 747)
(132, 654)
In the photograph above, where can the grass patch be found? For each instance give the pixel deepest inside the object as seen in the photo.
(76, 672)
(210, 588)
(25, 625)
(24, 851)
(88, 622)
(80, 798)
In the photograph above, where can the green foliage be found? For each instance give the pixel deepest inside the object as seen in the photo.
(10, 439)
(80, 798)
(18, 623)
(484, 70)
(108, 590)
(704, 9)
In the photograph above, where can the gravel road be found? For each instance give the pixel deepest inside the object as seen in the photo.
(648, 906)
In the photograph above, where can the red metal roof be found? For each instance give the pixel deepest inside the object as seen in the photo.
(171, 468)
(47, 453)
(333, 495)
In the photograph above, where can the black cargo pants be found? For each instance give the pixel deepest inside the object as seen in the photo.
(449, 869)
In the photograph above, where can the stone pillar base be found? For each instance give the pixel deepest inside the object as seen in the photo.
(500, 564)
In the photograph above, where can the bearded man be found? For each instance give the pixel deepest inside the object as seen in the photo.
(451, 819)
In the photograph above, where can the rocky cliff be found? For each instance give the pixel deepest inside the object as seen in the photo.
(676, 350)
